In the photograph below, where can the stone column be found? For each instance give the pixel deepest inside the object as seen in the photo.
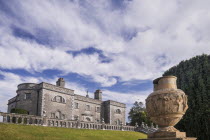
(10, 119)
(142, 125)
(103, 124)
(136, 126)
(121, 126)
(152, 126)
(27, 120)
(44, 121)
(78, 124)
(4, 119)
(22, 120)
(16, 121)
(33, 120)
(81, 125)
(48, 123)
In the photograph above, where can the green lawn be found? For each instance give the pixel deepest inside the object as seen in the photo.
(26, 132)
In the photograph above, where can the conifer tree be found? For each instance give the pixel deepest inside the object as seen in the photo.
(193, 77)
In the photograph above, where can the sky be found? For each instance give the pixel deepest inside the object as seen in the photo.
(118, 46)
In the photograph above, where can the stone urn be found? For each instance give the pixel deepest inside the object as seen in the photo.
(165, 106)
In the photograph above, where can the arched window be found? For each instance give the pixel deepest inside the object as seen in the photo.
(76, 117)
(58, 115)
(59, 99)
(118, 111)
(88, 119)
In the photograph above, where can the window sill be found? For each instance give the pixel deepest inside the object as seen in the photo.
(58, 102)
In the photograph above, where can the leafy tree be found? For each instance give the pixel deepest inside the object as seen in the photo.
(138, 114)
(193, 77)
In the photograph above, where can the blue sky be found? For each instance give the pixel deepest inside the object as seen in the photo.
(118, 46)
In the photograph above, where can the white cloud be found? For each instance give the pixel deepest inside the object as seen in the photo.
(166, 32)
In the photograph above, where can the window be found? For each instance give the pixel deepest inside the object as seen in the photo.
(58, 99)
(58, 115)
(76, 117)
(76, 105)
(98, 109)
(118, 111)
(52, 115)
(88, 107)
(118, 122)
(98, 120)
(27, 96)
(88, 119)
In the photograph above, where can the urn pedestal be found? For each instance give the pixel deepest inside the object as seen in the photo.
(165, 106)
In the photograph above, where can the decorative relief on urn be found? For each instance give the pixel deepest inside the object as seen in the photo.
(166, 105)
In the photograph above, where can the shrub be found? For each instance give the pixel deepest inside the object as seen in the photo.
(19, 111)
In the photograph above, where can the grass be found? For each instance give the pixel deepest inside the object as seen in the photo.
(27, 132)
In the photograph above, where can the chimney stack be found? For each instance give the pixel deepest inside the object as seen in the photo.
(98, 94)
(60, 82)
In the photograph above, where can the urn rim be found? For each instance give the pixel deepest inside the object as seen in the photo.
(157, 79)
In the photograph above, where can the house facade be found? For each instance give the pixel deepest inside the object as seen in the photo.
(56, 101)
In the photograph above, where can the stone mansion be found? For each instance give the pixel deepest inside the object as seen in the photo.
(58, 102)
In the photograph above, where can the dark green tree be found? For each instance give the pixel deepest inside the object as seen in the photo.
(193, 77)
(138, 114)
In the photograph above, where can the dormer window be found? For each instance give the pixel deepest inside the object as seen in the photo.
(27, 96)
(59, 99)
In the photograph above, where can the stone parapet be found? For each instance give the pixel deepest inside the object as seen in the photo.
(12, 100)
(114, 103)
(88, 100)
(56, 88)
(27, 86)
(44, 121)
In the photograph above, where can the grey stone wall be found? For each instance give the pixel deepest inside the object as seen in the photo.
(59, 102)
(84, 114)
(21, 102)
(115, 117)
(106, 108)
(59, 108)
(110, 114)
(11, 104)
